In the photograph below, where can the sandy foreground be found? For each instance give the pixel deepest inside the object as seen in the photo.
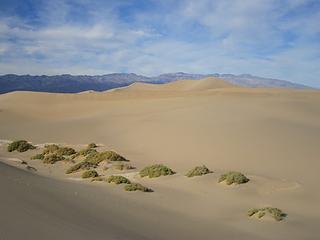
(271, 135)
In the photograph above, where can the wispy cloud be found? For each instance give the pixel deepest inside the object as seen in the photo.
(279, 39)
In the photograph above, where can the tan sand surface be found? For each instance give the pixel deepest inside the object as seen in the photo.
(271, 135)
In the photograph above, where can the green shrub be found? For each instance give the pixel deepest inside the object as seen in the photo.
(123, 166)
(52, 148)
(113, 156)
(81, 166)
(39, 156)
(137, 187)
(65, 151)
(233, 177)
(84, 152)
(96, 157)
(89, 174)
(92, 145)
(276, 213)
(52, 158)
(118, 180)
(20, 146)
(156, 170)
(198, 171)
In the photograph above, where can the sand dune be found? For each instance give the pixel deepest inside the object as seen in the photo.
(271, 135)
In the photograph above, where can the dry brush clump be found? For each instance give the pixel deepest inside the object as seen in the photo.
(276, 213)
(89, 174)
(81, 166)
(92, 145)
(118, 180)
(20, 146)
(137, 187)
(156, 170)
(123, 166)
(198, 171)
(233, 177)
(52, 158)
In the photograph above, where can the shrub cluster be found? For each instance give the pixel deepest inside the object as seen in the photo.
(52, 158)
(52, 148)
(233, 177)
(20, 146)
(276, 213)
(65, 151)
(92, 145)
(198, 171)
(81, 166)
(113, 156)
(118, 180)
(84, 152)
(96, 157)
(89, 174)
(156, 170)
(137, 187)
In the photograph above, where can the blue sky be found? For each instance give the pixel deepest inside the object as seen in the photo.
(270, 38)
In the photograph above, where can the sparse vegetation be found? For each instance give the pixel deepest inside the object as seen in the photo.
(39, 156)
(92, 145)
(156, 170)
(89, 174)
(84, 152)
(98, 179)
(96, 157)
(52, 158)
(137, 187)
(65, 151)
(20, 146)
(113, 156)
(276, 213)
(52, 148)
(198, 171)
(123, 166)
(118, 180)
(233, 177)
(81, 166)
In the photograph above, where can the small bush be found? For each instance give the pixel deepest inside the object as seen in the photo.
(276, 213)
(96, 157)
(89, 174)
(137, 187)
(20, 146)
(113, 156)
(233, 177)
(92, 145)
(80, 166)
(118, 180)
(52, 158)
(52, 148)
(84, 152)
(65, 151)
(156, 170)
(39, 156)
(198, 171)
(123, 166)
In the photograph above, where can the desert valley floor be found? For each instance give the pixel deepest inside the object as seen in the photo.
(270, 135)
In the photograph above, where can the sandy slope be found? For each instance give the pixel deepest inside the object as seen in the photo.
(271, 135)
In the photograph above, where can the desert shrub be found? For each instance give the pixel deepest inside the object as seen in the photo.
(113, 156)
(276, 213)
(137, 187)
(118, 180)
(156, 170)
(198, 171)
(92, 145)
(123, 166)
(233, 177)
(52, 148)
(84, 152)
(96, 157)
(52, 158)
(39, 156)
(20, 146)
(89, 174)
(65, 151)
(80, 166)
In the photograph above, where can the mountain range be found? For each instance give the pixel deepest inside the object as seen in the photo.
(77, 83)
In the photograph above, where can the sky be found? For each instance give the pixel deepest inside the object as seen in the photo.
(268, 38)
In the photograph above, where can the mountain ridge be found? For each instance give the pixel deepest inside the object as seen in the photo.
(67, 83)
